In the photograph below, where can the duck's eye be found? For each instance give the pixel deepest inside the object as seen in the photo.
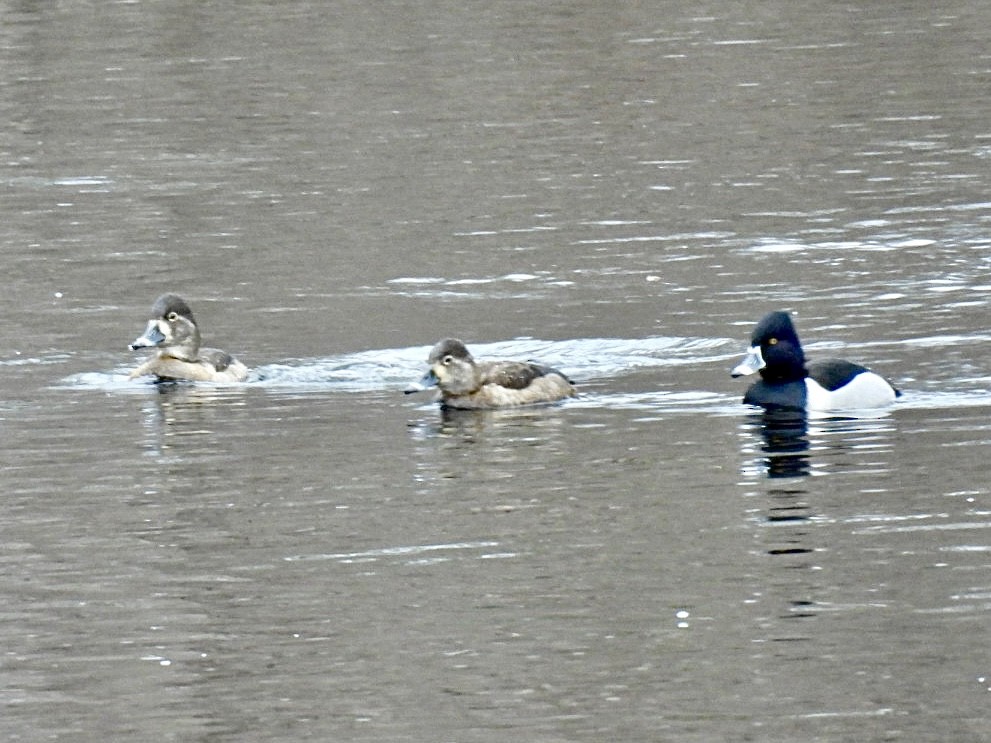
(172, 317)
(446, 361)
(772, 342)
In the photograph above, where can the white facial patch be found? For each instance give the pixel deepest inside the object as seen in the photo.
(165, 329)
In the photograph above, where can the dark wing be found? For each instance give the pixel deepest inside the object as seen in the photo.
(548, 370)
(832, 374)
(220, 360)
(514, 375)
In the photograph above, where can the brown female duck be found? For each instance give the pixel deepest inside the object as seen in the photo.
(174, 332)
(468, 384)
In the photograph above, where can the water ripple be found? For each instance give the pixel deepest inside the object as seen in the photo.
(582, 359)
(373, 555)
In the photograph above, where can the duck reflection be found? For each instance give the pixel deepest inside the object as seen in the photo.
(187, 414)
(490, 449)
(472, 426)
(785, 447)
(798, 466)
(788, 443)
(784, 459)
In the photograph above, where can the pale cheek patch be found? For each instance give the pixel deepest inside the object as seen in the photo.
(165, 329)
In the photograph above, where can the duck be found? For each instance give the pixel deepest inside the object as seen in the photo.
(788, 382)
(172, 329)
(467, 384)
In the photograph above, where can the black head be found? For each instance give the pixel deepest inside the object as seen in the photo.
(780, 348)
(775, 351)
(774, 325)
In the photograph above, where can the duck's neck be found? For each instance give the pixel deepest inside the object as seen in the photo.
(782, 374)
(186, 352)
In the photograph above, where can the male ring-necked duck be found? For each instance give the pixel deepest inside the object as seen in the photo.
(468, 384)
(173, 331)
(786, 381)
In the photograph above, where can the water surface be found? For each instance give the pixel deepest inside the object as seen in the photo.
(619, 192)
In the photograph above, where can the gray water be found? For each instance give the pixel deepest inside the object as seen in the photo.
(618, 190)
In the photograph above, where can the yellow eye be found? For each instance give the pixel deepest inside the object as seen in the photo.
(772, 342)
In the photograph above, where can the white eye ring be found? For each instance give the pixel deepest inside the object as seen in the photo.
(172, 317)
(447, 360)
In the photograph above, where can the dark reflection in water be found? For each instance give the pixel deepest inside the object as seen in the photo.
(785, 461)
(800, 470)
(785, 446)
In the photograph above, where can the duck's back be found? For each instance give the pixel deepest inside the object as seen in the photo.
(514, 375)
(514, 383)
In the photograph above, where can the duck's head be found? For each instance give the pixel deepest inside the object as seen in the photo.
(171, 328)
(452, 369)
(775, 351)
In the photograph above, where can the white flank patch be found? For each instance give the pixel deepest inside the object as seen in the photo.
(867, 390)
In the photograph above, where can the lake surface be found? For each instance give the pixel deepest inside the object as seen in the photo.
(620, 191)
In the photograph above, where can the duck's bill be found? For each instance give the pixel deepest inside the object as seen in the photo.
(752, 362)
(426, 382)
(151, 338)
